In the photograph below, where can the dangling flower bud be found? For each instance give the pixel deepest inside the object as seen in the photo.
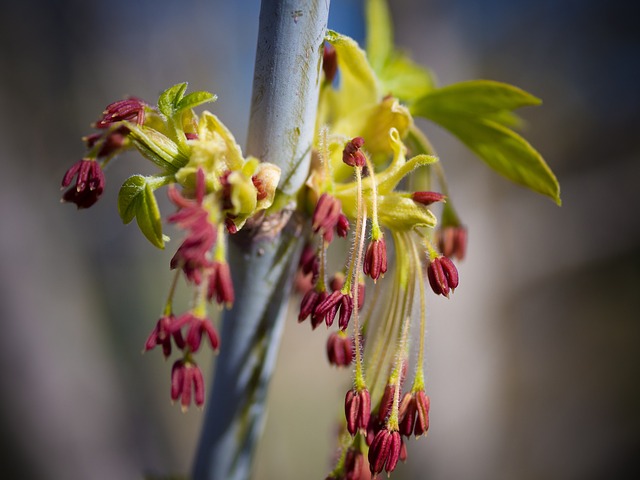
(340, 349)
(351, 155)
(375, 260)
(427, 198)
(89, 183)
(443, 276)
(452, 241)
(384, 452)
(357, 409)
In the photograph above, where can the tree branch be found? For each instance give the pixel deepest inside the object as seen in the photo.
(285, 95)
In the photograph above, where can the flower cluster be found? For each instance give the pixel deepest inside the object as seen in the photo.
(369, 195)
(354, 191)
(214, 189)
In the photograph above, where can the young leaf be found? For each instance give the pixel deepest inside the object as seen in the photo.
(170, 98)
(504, 151)
(404, 79)
(148, 216)
(128, 196)
(194, 99)
(357, 81)
(136, 199)
(379, 33)
(473, 98)
(157, 147)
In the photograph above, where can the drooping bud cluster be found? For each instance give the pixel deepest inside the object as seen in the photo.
(362, 187)
(215, 191)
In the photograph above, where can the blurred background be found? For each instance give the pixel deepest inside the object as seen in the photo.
(533, 365)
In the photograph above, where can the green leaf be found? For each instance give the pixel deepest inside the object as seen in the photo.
(474, 98)
(136, 199)
(194, 99)
(504, 151)
(169, 99)
(379, 33)
(128, 195)
(404, 79)
(157, 147)
(148, 216)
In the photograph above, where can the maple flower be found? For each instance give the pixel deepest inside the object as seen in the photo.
(131, 109)
(443, 275)
(187, 382)
(89, 183)
(162, 334)
(384, 451)
(193, 254)
(357, 409)
(340, 349)
(196, 327)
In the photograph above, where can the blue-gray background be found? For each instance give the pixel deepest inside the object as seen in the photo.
(533, 365)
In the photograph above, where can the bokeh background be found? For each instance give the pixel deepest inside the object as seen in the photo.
(533, 365)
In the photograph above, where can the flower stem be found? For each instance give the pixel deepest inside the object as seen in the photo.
(281, 132)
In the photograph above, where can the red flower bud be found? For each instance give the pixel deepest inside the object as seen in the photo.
(196, 328)
(89, 183)
(326, 216)
(384, 452)
(340, 350)
(422, 413)
(186, 378)
(351, 155)
(386, 403)
(375, 260)
(309, 306)
(443, 276)
(162, 334)
(407, 414)
(427, 198)
(342, 227)
(354, 465)
(129, 109)
(220, 284)
(357, 410)
(452, 241)
(330, 306)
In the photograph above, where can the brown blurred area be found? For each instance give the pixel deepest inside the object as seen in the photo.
(533, 364)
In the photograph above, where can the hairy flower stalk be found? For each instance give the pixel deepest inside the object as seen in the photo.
(344, 150)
